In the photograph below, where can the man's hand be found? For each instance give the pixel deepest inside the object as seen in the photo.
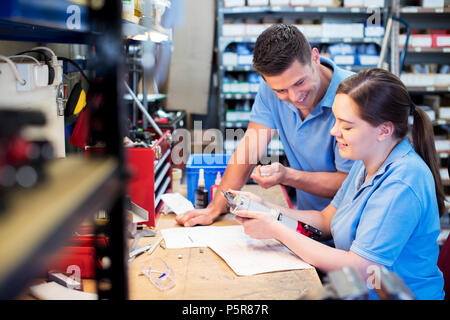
(270, 175)
(204, 216)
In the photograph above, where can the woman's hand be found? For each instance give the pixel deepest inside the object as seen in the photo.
(258, 225)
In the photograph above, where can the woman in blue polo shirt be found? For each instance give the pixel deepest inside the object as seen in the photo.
(387, 210)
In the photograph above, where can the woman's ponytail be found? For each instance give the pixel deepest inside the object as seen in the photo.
(423, 142)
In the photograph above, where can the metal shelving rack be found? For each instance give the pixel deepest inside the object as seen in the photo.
(76, 188)
(277, 12)
(425, 18)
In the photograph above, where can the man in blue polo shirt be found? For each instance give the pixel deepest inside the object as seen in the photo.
(294, 99)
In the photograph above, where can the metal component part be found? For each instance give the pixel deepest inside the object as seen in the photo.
(392, 286)
(347, 284)
(241, 202)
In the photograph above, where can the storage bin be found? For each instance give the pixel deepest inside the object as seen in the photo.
(211, 164)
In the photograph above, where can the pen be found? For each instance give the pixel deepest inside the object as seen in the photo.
(154, 246)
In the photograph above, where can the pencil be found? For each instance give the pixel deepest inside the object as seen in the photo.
(155, 245)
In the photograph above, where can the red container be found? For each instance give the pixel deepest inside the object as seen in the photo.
(141, 187)
(81, 253)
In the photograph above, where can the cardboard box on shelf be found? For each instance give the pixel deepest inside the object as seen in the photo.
(337, 30)
(233, 3)
(374, 3)
(420, 40)
(310, 30)
(300, 2)
(416, 40)
(440, 40)
(368, 60)
(444, 113)
(442, 145)
(417, 80)
(344, 59)
(326, 3)
(433, 3)
(254, 30)
(233, 30)
(230, 59)
(257, 2)
(275, 3)
(353, 3)
(441, 79)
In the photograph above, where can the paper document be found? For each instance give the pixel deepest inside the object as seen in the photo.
(176, 238)
(248, 256)
(177, 203)
(245, 255)
(55, 291)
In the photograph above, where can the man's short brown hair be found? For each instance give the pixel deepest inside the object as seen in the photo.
(277, 48)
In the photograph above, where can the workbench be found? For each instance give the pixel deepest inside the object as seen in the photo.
(205, 276)
(201, 274)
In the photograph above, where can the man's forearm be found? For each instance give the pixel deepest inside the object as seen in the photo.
(247, 154)
(323, 184)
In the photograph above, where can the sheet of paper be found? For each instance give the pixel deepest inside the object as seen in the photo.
(177, 203)
(248, 256)
(176, 238)
(54, 291)
(244, 255)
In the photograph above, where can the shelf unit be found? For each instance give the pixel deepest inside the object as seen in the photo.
(432, 94)
(234, 97)
(151, 166)
(38, 221)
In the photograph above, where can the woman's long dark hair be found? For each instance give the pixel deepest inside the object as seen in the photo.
(381, 97)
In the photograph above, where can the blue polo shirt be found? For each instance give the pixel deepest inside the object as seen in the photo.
(308, 144)
(393, 219)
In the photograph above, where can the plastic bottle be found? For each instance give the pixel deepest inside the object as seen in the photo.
(215, 186)
(201, 194)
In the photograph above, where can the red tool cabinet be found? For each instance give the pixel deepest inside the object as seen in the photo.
(151, 175)
(79, 252)
(150, 170)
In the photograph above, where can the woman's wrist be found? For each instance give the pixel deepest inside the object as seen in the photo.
(277, 230)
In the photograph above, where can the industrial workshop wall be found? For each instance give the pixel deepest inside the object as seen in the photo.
(190, 68)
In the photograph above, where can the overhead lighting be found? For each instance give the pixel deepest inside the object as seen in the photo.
(141, 37)
(156, 36)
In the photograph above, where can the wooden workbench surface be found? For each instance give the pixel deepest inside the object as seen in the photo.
(205, 276)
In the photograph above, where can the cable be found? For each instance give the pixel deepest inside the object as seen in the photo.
(53, 59)
(14, 69)
(49, 61)
(40, 51)
(25, 56)
(76, 65)
(46, 58)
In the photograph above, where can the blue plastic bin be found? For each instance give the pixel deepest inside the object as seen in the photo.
(211, 164)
